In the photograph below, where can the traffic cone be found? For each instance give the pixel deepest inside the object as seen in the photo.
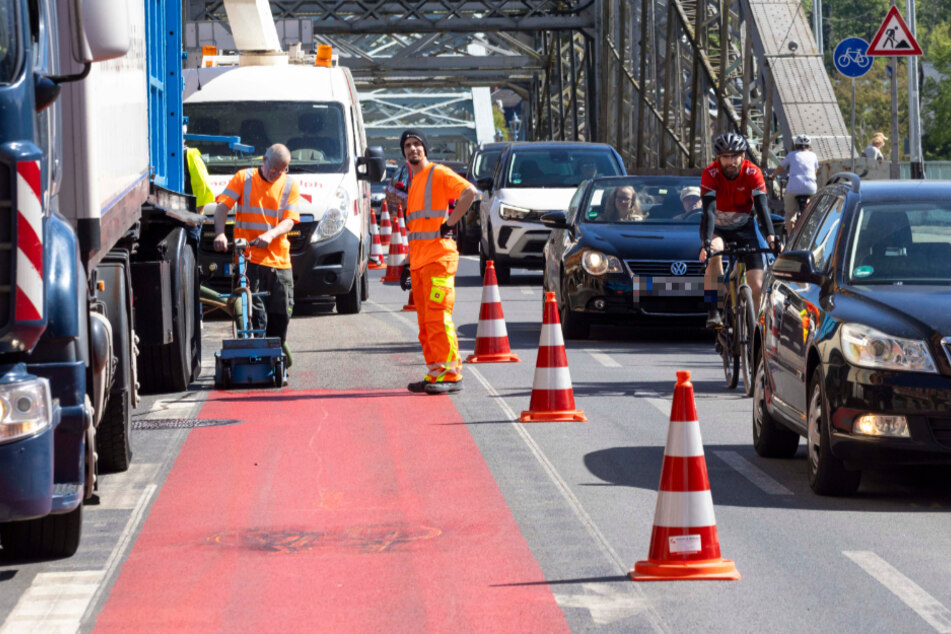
(552, 396)
(402, 225)
(410, 305)
(492, 339)
(394, 261)
(386, 229)
(684, 542)
(376, 247)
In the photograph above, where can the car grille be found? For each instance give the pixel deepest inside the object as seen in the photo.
(7, 216)
(662, 267)
(941, 428)
(666, 306)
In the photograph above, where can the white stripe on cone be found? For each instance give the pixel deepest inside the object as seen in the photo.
(551, 336)
(551, 379)
(683, 440)
(490, 294)
(491, 328)
(684, 509)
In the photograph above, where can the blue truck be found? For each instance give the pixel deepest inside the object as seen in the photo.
(98, 272)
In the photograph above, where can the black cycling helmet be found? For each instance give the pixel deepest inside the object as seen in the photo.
(729, 143)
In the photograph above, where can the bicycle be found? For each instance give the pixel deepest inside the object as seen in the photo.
(735, 337)
(854, 56)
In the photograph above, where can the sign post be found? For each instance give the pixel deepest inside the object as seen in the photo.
(851, 60)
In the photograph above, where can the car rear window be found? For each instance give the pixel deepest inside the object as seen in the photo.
(559, 167)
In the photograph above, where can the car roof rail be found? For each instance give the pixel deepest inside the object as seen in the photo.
(852, 177)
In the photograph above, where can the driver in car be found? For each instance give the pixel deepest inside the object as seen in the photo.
(690, 199)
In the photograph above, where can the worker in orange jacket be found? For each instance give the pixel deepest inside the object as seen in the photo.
(433, 260)
(266, 202)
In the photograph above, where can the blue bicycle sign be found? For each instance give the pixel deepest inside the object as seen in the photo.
(850, 58)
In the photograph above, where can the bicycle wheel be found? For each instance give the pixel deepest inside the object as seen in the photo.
(745, 325)
(727, 337)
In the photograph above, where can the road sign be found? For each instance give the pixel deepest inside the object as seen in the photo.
(850, 58)
(894, 37)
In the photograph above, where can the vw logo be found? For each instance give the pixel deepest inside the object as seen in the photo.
(678, 268)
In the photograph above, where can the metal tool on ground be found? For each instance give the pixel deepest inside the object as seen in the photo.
(684, 541)
(553, 399)
(250, 359)
(492, 338)
(376, 247)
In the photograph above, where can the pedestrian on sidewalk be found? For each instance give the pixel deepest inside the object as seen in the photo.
(874, 148)
(433, 260)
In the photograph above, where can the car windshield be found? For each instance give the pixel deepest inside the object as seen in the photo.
(901, 243)
(9, 42)
(315, 133)
(484, 163)
(645, 199)
(559, 166)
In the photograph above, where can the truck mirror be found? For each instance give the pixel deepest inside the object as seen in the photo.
(373, 164)
(101, 29)
(45, 91)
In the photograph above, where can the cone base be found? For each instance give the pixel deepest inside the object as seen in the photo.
(409, 308)
(395, 279)
(376, 267)
(571, 415)
(504, 357)
(709, 569)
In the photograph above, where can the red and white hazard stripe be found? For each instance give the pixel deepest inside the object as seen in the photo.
(29, 294)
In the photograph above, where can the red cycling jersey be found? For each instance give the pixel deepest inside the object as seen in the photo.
(734, 197)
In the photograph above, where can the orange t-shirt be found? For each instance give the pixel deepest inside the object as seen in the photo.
(447, 185)
(261, 206)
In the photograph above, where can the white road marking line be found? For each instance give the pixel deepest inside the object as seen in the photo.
(911, 594)
(126, 492)
(659, 403)
(173, 407)
(395, 314)
(54, 602)
(563, 488)
(527, 290)
(752, 473)
(603, 359)
(605, 602)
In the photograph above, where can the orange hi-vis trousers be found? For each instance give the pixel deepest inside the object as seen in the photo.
(435, 293)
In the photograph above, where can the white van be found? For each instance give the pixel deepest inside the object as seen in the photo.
(238, 111)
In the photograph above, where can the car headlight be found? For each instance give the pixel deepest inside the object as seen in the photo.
(597, 263)
(335, 218)
(869, 348)
(513, 213)
(25, 408)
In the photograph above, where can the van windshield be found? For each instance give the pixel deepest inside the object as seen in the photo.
(9, 42)
(315, 133)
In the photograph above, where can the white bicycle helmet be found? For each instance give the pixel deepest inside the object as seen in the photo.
(802, 140)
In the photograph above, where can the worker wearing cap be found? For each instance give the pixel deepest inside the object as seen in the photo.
(434, 260)
(265, 201)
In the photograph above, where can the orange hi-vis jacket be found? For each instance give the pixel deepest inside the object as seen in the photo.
(261, 206)
(426, 210)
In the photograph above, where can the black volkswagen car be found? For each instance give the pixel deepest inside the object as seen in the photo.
(626, 251)
(856, 333)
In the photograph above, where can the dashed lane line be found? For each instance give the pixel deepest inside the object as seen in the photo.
(527, 290)
(603, 359)
(910, 593)
(752, 473)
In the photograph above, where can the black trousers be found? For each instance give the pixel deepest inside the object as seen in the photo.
(272, 313)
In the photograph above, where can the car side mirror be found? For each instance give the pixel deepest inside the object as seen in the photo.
(485, 184)
(373, 163)
(556, 220)
(796, 266)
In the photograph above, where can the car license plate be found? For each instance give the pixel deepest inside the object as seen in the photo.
(667, 286)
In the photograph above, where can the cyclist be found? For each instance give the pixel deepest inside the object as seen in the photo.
(802, 164)
(731, 188)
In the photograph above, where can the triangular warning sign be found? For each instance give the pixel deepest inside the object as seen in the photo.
(893, 37)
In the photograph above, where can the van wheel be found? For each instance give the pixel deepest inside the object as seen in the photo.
(47, 537)
(364, 287)
(351, 302)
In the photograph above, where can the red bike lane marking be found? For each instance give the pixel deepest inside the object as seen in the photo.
(330, 511)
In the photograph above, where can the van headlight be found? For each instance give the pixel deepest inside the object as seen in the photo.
(25, 409)
(597, 263)
(335, 218)
(869, 348)
(513, 213)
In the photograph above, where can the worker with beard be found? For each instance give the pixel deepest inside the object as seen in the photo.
(433, 260)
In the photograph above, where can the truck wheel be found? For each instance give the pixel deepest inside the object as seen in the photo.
(112, 437)
(350, 303)
(52, 536)
(168, 367)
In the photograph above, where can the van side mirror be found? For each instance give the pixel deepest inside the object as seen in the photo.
(373, 164)
(100, 29)
(485, 184)
(796, 266)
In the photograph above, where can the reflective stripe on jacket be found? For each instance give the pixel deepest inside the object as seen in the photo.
(424, 217)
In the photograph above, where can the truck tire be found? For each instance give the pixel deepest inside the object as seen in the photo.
(168, 367)
(351, 303)
(115, 453)
(47, 537)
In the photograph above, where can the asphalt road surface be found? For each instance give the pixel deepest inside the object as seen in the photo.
(344, 503)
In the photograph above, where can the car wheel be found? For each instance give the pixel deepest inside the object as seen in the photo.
(482, 261)
(746, 324)
(503, 274)
(573, 325)
(827, 474)
(770, 438)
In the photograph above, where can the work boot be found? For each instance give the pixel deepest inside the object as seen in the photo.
(418, 387)
(714, 320)
(444, 387)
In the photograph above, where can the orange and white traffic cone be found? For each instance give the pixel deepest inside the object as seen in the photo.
(402, 225)
(684, 542)
(394, 261)
(492, 338)
(376, 247)
(386, 228)
(553, 399)
(410, 304)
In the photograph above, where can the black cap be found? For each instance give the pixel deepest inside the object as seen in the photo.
(417, 134)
